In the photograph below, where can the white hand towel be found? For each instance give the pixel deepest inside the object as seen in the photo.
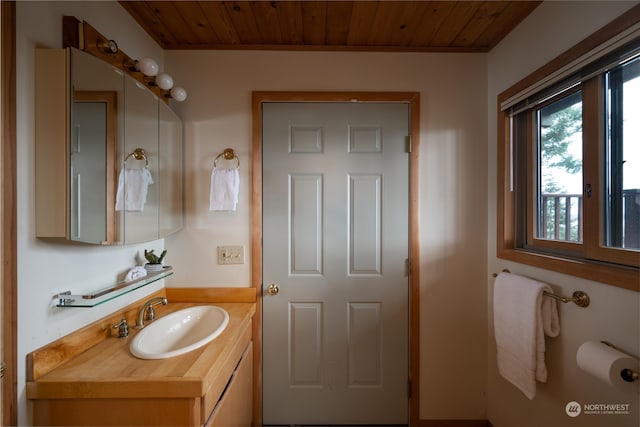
(133, 185)
(225, 186)
(134, 273)
(522, 316)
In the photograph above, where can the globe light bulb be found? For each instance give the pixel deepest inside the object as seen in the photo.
(148, 66)
(178, 93)
(164, 81)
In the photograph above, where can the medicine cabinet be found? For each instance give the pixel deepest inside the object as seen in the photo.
(99, 133)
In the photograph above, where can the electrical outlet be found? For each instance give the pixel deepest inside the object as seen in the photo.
(230, 254)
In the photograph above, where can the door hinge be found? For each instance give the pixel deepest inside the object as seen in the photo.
(3, 369)
(407, 267)
(408, 143)
(409, 389)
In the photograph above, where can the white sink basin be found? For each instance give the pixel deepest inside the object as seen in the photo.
(179, 332)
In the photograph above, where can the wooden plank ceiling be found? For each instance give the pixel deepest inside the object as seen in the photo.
(363, 25)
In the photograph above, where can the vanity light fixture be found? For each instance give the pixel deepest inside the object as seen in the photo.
(81, 35)
(164, 81)
(107, 46)
(130, 64)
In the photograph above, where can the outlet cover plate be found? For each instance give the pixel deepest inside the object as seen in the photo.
(230, 255)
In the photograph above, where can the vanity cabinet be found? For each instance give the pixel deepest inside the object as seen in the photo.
(93, 122)
(106, 385)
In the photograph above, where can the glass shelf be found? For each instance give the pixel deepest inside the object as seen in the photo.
(66, 299)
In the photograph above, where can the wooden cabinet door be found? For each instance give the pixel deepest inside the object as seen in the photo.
(235, 407)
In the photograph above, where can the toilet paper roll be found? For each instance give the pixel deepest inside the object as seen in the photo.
(608, 364)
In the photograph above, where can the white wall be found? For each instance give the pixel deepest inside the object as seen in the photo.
(453, 202)
(614, 313)
(46, 268)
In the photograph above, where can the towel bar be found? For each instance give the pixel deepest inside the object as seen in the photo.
(228, 154)
(138, 154)
(579, 298)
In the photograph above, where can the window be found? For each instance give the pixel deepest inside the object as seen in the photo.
(558, 184)
(622, 167)
(569, 151)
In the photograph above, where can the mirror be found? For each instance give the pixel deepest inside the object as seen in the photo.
(139, 213)
(171, 165)
(97, 90)
(122, 181)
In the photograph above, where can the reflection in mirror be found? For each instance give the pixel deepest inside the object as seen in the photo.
(112, 117)
(89, 116)
(92, 154)
(140, 221)
(97, 90)
(170, 180)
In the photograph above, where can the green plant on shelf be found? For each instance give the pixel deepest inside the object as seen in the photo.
(153, 258)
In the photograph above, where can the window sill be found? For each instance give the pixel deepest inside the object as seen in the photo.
(623, 277)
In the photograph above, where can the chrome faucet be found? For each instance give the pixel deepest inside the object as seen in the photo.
(146, 311)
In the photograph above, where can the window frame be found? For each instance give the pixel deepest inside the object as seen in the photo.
(533, 209)
(607, 269)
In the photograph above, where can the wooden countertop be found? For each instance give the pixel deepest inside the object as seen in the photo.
(109, 370)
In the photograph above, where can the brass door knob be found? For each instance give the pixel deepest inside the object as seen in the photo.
(273, 289)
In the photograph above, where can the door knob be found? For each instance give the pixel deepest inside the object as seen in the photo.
(273, 289)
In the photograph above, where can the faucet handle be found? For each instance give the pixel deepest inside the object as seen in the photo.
(123, 328)
(151, 313)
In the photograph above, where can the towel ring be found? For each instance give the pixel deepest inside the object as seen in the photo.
(138, 154)
(228, 154)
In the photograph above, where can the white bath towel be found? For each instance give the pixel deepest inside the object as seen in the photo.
(133, 185)
(134, 273)
(225, 186)
(522, 317)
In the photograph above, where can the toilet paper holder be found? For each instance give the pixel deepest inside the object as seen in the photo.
(627, 374)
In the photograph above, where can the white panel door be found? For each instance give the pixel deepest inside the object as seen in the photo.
(335, 242)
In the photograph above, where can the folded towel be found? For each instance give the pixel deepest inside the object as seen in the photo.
(134, 273)
(225, 185)
(522, 317)
(132, 189)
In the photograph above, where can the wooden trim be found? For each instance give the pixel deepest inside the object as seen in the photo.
(506, 248)
(413, 99)
(414, 260)
(91, 41)
(618, 25)
(213, 295)
(8, 209)
(256, 252)
(593, 130)
(71, 29)
(325, 48)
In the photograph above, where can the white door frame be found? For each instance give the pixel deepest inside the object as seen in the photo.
(411, 98)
